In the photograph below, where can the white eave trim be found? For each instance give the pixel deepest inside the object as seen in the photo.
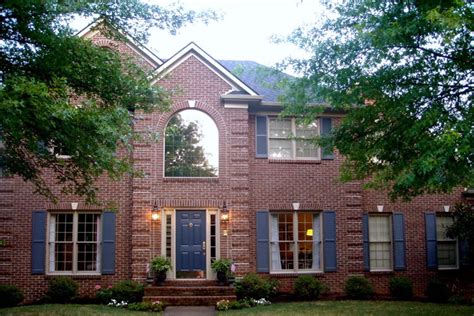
(193, 50)
(137, 47)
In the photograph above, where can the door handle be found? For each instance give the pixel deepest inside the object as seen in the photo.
(203, 246)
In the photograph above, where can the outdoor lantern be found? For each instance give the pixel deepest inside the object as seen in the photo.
(380, 208)
(155, 212)
(224, 212)
(309, 232)
(446, 208)
(296, 206)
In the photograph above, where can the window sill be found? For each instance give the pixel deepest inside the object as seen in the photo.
(447, 268)
(193, 180)
(294, 161)
(294, 273)
(382, 272)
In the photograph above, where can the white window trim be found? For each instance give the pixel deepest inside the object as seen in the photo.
(390, 225)
(295, 270)
(74, 271)
(293, 141)
(456, 240)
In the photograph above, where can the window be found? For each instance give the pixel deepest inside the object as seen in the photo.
(380, 239)
(295, 241)
(74, 243)
(191, 145)
(283, 146)
(447, 247)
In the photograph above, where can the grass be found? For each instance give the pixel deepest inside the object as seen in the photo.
(68, 309)
(331, 308)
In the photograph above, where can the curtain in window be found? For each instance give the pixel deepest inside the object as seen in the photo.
(275, 246)
(316, 242)
(52, 239)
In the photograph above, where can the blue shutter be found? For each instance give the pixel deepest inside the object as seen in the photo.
(38, 242)
(431, 246)
(464, 255)
(261, 141)
(329, 237)
(108, 242)
(365, 240)
(326, 128)
(263, 264)
(399, 260)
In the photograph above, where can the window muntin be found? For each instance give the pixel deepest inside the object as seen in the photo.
(74, 242)
(281, 145)
(447, 247)
(380, 239)
(191, 145)
(295, 242)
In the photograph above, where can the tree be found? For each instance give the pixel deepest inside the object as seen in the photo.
(404, 72)
(184, 157)
(59, 90)
(463, 226)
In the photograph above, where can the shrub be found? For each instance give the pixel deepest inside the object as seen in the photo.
(62, 289)
(223, 305)
(156, 307)
(401, 288)
(104, 296)
(236, 305)
(359, 288)
(128, 291)
(10, 295)
(307, 288)
(254, 286)
(437, 291)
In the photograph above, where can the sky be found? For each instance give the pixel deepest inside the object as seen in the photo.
(244, 32)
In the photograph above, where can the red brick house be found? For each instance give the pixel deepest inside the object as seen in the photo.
(235, 186)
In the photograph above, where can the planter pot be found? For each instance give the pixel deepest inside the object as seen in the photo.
(160, 278)
(222, 278)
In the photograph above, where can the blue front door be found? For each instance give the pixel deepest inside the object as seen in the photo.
(190, 244)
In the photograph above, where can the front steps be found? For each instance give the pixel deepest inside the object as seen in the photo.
(189, 293)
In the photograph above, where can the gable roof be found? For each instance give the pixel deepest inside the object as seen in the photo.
(135, 45)
(263, 79)
(238, 86)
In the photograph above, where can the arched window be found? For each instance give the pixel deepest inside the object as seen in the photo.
(191, 145)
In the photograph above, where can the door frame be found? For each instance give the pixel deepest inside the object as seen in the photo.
(210, 275)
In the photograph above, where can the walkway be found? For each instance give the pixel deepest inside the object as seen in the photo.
(190, 311)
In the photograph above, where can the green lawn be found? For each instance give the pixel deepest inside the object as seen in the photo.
(354, 308)
(68, 309)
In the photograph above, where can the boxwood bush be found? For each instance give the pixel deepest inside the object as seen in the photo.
(128, 291)
(307, 288)
(437, 291)
(254, 286)
(401, 288)
(10, 295)
(359, 288)
(61, 290)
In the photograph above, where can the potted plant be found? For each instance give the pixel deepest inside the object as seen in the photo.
(159, 266)
(222, 268)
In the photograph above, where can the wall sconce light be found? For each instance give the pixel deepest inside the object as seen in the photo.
(296, 206)
(155, 212)
(74, 205)
(224, 212)
(309, 232)
(380, 208)
(446, 208)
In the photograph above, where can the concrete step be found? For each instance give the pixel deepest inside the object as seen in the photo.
(189, 291)
(190, 283)
(189, 300)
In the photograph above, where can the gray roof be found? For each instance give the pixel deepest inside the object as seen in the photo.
(264, 80)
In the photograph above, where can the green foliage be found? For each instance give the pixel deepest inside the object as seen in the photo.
(401, 288)
(156, 307)
(160, 264)
(437, 291)
(222, 265)
(128, 291)
(104, 296)
(403, 72)
(256, 287)
(223, 305)
(359, 288)
(61, 289)
(10, 295)
(59, 90)
(307, 288)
